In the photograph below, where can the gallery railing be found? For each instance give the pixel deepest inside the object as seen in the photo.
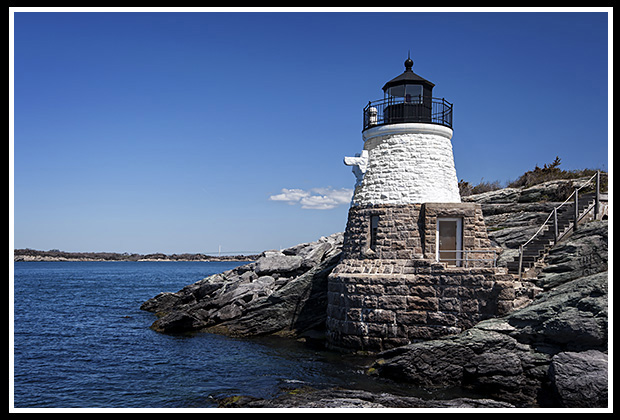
(414, 109)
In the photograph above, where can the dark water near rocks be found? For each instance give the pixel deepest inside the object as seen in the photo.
(81, 340)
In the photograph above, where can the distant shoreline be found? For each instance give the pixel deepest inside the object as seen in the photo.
(55, 255)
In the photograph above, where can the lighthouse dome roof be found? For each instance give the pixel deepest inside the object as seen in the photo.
(408, 77)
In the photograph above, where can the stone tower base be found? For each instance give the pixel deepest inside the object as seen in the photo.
(378, 304)
(389, 290)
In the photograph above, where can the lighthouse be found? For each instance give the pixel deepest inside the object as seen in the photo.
(417, 262)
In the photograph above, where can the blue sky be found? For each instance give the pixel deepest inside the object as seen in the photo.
(186, 131)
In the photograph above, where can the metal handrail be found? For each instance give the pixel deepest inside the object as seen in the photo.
(467, 259)
(554, 213)
(558, 207)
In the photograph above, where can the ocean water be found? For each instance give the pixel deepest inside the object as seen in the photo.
(81, 340)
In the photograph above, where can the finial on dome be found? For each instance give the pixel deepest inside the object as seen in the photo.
(408, 62)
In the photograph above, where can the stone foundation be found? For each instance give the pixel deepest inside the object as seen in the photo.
(375, 304)
(389, 290)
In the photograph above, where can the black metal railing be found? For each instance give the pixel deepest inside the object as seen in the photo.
(404, 110)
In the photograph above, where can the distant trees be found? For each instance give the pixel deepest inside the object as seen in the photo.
(55, 254)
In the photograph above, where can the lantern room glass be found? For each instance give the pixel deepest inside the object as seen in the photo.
(411, 93)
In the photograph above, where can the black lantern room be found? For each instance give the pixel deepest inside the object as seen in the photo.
(408, 98)
(409, 86)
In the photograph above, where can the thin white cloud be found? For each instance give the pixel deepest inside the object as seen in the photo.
(315, 198)
(291, 196)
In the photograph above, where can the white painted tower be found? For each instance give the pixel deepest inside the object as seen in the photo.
(407, 156)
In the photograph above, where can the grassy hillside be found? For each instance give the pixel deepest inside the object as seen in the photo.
(538, 175)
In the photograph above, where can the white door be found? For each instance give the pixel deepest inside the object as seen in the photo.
(449, 240)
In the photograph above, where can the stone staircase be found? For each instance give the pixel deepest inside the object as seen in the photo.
(539, 246)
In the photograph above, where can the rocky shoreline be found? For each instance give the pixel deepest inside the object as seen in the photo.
(282, 293)
(349, 398)
(550, 352)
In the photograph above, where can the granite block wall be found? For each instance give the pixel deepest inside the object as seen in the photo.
(409, 231)
(378, 304)
(393, 291)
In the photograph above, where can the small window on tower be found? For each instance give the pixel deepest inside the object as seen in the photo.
(374, 224)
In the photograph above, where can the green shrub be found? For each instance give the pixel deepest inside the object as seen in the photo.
(465, 188)
(538, 175)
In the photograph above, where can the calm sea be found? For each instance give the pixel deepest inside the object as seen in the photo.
(81, 340)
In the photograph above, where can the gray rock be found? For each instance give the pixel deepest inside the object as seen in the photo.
(246, 292)
(580, 379)
(556, 190)
(486, 361)
(508, 358)
(164, 301)
(505, 195)
(347, 398)
(277, 263)
(583, 253)
(228, 312)
(313, 255)
(572, 316)
(300, 305)
(176, 321)
(280, 293)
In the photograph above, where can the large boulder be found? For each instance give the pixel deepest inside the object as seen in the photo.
(510, 358)
(572, 316)
(580, 378)
(583, 253)
(282, 292)
(277, 262)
